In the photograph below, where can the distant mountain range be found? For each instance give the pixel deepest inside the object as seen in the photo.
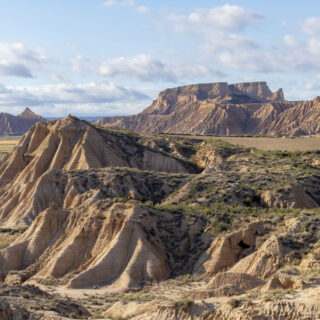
(18, 125)
(224, 110)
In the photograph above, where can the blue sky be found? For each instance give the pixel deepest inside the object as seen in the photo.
(106, 57)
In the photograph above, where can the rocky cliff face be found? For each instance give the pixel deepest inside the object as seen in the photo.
(257, 92)
(224, 110)
(18, 125)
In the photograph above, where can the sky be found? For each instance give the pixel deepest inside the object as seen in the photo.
(112, 57)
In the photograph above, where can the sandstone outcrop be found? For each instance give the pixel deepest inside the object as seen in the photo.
(264, 262)
(227, 250)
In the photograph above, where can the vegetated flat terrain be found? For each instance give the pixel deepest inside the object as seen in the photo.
(302, 144)
(8, 143)
(270, 144)
(277, 144)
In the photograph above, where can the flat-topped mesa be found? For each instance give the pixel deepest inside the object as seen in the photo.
(220, 109)
(246, 92)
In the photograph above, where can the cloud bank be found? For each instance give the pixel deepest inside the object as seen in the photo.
(128, 3)
(89, 98)
(17, 60)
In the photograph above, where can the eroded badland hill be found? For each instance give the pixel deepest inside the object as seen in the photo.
(100, 223)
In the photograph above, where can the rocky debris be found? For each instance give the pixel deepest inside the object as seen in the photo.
(224, 279)
(273, 283)
(312, 260)
(130, 309)
(293, 197)
(283, 281)
(8, 312)
(224, 110)
(230, 284)
(31, 303)
(228, 309)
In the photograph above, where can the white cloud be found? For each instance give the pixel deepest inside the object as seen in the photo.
(13, 69)
(141, 67)
(129, 3)
(19, 61)
(304, 52)
(83, 65)
(227, 17)
(222, 33)
(314, 47)
(230, 42)
(250, 61)
(194, 72)
(142, 8)
(312, 25)
(89, 97)
(290, 40)
(223, 36)
(145, 68)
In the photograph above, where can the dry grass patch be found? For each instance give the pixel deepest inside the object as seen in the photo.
(297, 144)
